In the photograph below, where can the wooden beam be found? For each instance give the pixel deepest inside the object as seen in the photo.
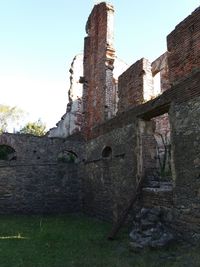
(125, 213)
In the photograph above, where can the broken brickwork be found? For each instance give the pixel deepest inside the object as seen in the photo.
(131, 137)
(135, 85)
(160, 66)
(184, 49)
(98, 65)
(93, 97)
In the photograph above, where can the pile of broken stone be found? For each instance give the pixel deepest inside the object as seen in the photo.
(149, 230)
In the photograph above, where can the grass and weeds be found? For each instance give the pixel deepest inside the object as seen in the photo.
(78, 241)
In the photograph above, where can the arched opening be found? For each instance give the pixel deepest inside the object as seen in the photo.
(7, 153)
(107, 152)
(67, 156)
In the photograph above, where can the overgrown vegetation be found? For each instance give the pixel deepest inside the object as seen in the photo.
(37, 128)
(5, 152)
(66, 241)
(67, 157)
(8, 116)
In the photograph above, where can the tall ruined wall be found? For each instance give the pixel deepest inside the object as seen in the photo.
(98, 90)
(108, 184)
(184, 49)
(120, 150)
(184, 65)
(135, 85)
(71, 121)
(37, 180)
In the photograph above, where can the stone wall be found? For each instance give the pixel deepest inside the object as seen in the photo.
(121, 149)
(131, 135)
(36, 189)
(185, 121)
(109, 182)
(36, 182)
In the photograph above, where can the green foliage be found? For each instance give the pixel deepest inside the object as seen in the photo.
(67, 157)
(36, 128)
(5, 151)
(9, 115)
(77, 241)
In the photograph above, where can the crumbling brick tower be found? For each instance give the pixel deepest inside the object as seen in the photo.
(98, 89)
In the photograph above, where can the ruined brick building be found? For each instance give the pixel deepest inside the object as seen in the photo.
(115, 131)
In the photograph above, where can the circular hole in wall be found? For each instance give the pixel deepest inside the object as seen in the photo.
(107, 152)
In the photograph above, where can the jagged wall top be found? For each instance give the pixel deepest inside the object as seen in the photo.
(101, 5)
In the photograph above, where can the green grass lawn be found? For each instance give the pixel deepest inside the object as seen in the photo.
(72, 240)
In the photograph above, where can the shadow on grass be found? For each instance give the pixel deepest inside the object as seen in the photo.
(75, 240)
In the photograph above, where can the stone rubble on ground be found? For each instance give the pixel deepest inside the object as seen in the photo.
(149, 230)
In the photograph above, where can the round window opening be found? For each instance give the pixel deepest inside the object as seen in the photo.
(107, 152)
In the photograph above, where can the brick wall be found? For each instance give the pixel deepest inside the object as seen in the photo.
(98, 65)
(160, 65)
(135, 85)
(184, 48)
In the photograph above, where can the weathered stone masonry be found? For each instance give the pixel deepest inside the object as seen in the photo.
(37, 182)
(119, 145)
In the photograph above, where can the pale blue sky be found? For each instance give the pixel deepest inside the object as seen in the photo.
(39, 38)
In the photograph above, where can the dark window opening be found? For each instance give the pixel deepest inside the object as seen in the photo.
(107, 152)
(156, 147)
(7, 153)
(67, 156)
(162, 135)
